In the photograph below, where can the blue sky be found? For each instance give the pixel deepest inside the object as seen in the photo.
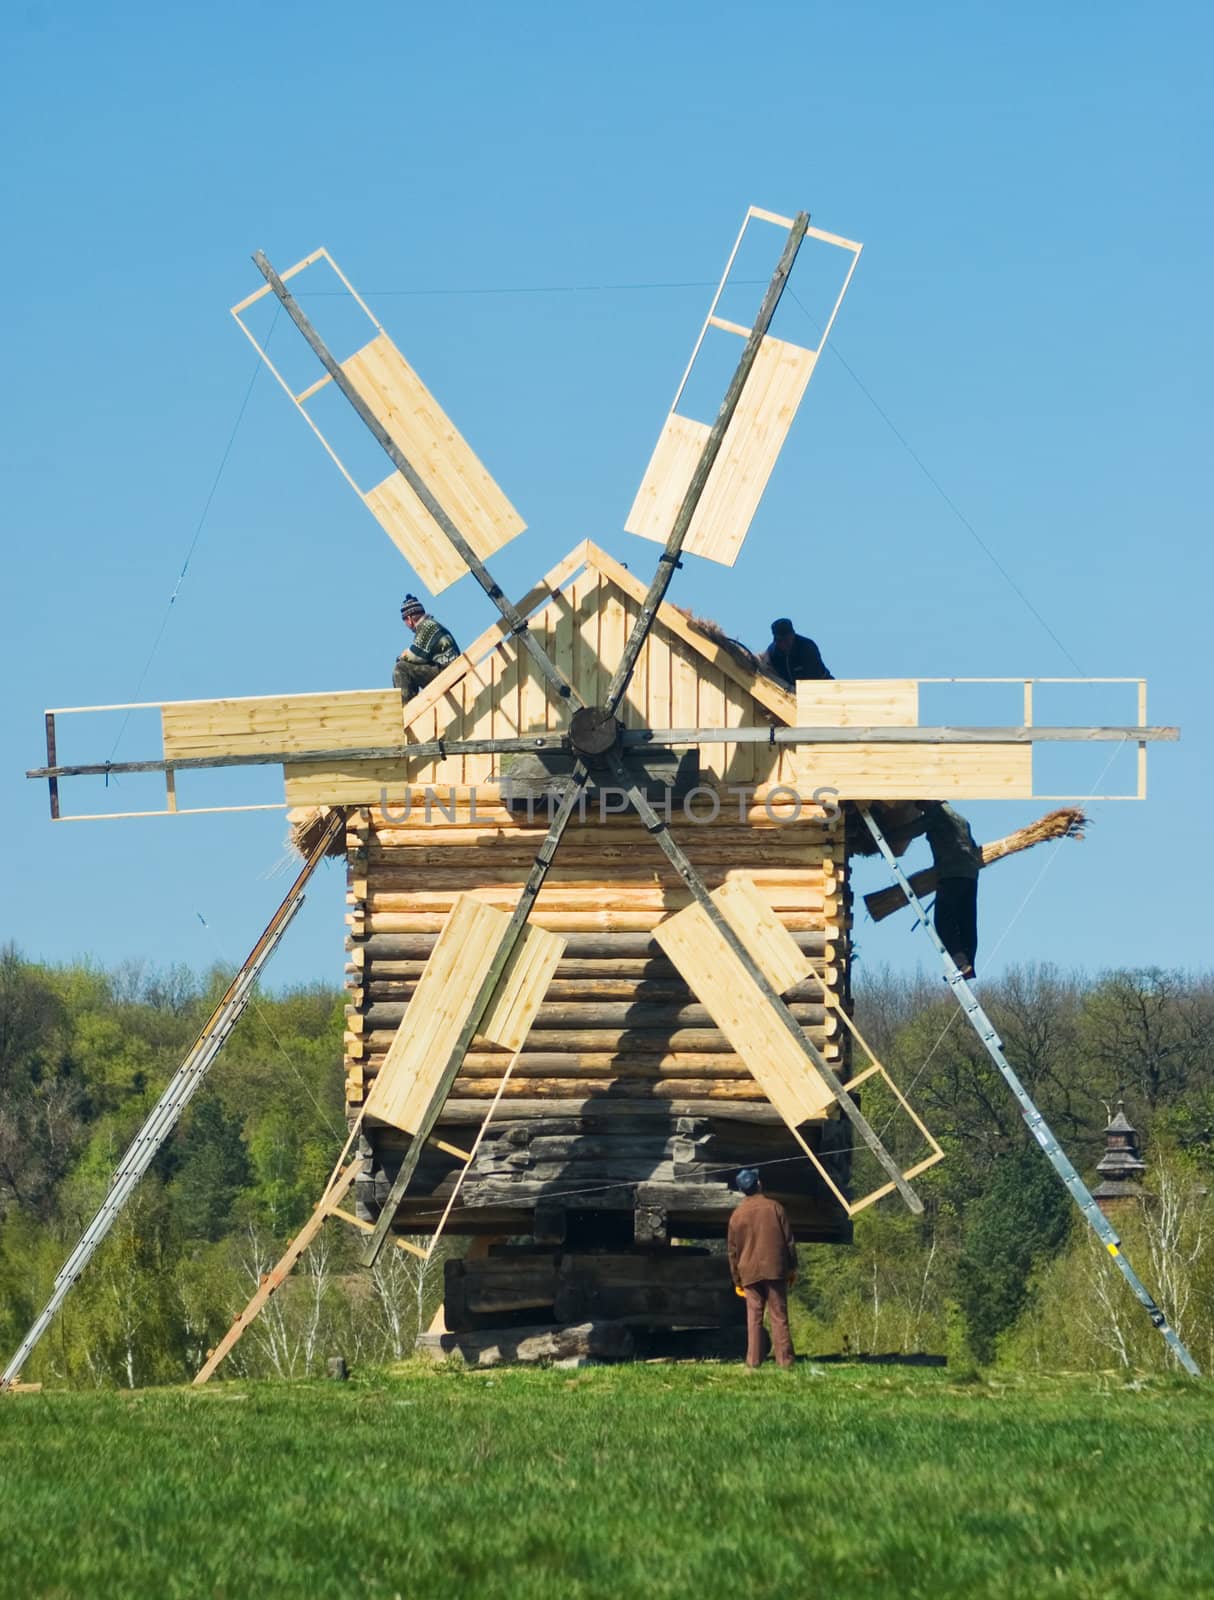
(1031, 313)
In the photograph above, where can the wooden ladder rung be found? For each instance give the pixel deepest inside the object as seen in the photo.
(369, 1227)
(730, 327)
(451, 1149)
(306, 394)
(861, 1076)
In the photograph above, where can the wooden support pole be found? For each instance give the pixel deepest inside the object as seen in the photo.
(281, 1271)
(51, 762)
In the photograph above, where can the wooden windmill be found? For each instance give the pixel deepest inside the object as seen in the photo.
(598, 869)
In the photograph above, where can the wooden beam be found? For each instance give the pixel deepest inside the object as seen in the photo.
(278, 1274)
(631, 737)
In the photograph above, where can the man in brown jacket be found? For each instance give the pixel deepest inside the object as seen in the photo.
(763, 1261)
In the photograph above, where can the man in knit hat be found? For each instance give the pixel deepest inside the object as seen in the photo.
(432, 649)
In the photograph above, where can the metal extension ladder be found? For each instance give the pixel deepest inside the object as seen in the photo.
(180, 1090)
(1037, 1125)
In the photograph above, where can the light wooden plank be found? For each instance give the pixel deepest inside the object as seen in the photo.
(684, 689)
(710, 713)
(657, 707)
(632, 708)
(858, 703)
(434, 447)
(739, 759)
(521, 989)
(721, 983)
(752, 442)
(772, 947)
(611, 635)
(914, 771)
(369, 717)
(589, 678)
(680, 445)
(462, 955)
(414, 532)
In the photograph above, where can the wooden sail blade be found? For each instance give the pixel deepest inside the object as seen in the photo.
(463, 953)
(714, 973)
(764, 412)
(404, 416)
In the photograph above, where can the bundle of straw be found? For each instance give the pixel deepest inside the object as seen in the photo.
(1066, 823)
(714, 631)
(306, 825)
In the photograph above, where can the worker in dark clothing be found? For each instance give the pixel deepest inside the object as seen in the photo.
(433, 648)
(958, 861)
(763, 1264)
(791, 656)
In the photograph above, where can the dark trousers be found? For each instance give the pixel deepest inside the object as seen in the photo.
(770, 1295)
(956, 917)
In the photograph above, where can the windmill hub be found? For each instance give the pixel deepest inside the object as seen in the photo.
(593, 731)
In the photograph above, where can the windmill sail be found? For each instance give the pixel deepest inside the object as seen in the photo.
(421, 430)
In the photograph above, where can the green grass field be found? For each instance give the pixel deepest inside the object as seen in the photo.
(651, 1481)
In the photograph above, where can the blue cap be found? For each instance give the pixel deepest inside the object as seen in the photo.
(747, 1180)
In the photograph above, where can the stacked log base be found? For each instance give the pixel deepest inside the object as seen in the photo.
(642, 1165)
(677, 1287)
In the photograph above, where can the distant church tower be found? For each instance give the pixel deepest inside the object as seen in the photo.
(1121, 1167)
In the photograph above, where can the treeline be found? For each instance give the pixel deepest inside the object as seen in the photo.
(995, 1271)
(1001, 1268)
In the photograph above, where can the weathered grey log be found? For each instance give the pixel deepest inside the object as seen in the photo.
(649, 1225)
(598, 1341)
(753, 1114)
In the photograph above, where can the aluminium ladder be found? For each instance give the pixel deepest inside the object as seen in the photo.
(177, 1095)
(1037, 1125)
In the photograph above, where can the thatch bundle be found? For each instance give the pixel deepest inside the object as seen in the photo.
(714, 631)
(306, 824)
(1068, 822)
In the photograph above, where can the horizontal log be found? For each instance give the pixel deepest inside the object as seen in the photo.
(623, 978)
(634, 1044)
(490, 820)
(586, 920)
(500, 855)
(760, 1115)
(574, 898)
(667, 1088)
(605, 1064)
(615, 1018)
(531, 1346)
(581, 944)
(562, 992)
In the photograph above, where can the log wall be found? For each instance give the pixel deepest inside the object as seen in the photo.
(624, 1092)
